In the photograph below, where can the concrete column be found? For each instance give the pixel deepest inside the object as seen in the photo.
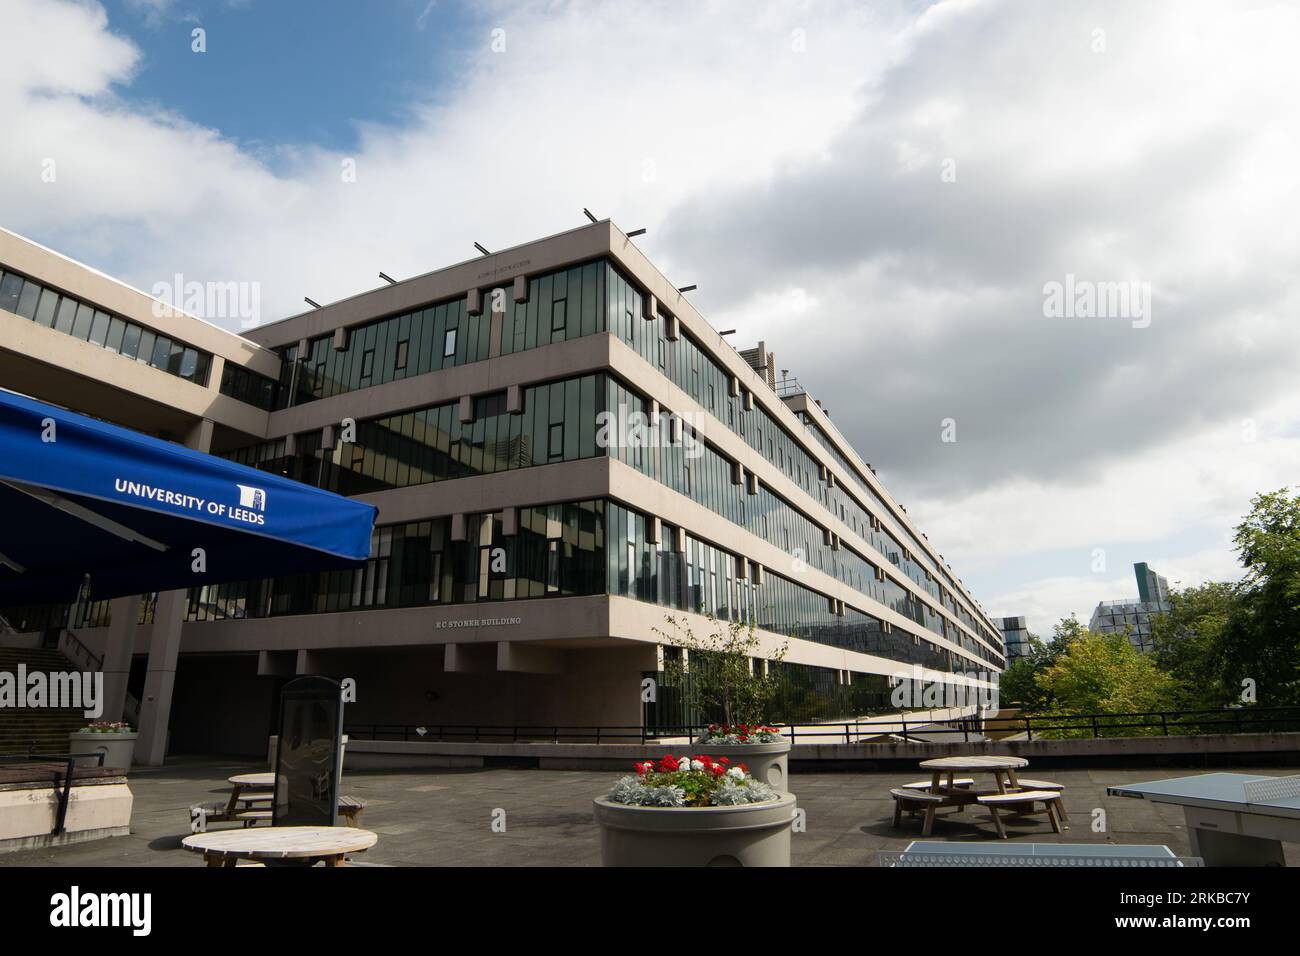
(117, 654)
(164, 650)
(156, 704)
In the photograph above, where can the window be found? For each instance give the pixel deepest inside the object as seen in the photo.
(67, 311)
(45, 311)
(116, 329)
(555, 442)
(81, 324)
(10, 288)
(130, 340)
(557, 316)
(147, 340)
(99, 329)
(162, 349)
(27, 300)
(367, 362)
(449, 344)
(401, 354)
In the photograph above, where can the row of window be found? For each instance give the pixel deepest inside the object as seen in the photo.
(64, 313)
(248, 386)
(575, 548)
(561, 305)
(558, 422)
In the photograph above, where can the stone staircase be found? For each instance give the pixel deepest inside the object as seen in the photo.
(36, 730)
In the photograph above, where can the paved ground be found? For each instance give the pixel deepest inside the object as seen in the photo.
(444, 817)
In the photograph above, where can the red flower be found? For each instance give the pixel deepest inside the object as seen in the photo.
(724, 760)
(743, 767)
(718, 769)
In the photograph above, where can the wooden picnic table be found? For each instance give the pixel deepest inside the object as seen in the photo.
(303, 845)
(1000, 767)
(246, 781)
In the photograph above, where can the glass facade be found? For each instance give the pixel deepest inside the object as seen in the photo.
(803, 694)
(64, 313)
(248, 386)
(557, 551)
(561, 305)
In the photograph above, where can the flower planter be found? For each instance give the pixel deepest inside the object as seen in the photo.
(117, 747)
(768, 763)
(754, 834)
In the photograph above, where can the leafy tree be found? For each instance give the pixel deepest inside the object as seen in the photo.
(1190, 644)
(1100, 673)
(1261, 643)
(718, 678)
(1018, 684)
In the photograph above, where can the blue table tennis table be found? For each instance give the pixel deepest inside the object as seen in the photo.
(1233, 819)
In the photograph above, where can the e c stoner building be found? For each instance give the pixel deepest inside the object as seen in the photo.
(554, 431)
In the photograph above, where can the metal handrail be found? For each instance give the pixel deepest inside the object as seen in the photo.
(61, 815)
(849, 731)
(91, 657)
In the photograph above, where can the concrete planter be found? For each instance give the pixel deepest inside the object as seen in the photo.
(757, 834)
(118, 748)
(767, 763)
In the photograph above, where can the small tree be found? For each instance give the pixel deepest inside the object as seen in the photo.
(718, 678)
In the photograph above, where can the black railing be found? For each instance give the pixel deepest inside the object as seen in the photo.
(866, 731)
(61, 814)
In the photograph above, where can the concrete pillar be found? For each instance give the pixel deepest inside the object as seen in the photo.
(521, 289)
(156, 704)
(117, 654)
(164, 650)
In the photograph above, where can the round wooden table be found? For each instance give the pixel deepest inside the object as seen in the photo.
(1000, 767)
(287, 845)
(246, 781)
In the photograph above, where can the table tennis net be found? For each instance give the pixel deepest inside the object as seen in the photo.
(1272, 789)
(897, 858)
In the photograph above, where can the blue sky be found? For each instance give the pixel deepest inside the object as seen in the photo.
(791, 158)
(280, 74)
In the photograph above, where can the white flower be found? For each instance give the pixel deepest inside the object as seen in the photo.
(697, 764)
(735, 773)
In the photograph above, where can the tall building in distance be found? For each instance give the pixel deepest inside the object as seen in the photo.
(563, 452)
(1114, 617)
(1015, 637)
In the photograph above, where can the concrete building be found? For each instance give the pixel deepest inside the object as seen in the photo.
(563, 452)
(1015, 637)
(1115, 617)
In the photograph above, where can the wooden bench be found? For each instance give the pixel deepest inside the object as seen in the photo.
(1051, 800)
(925, 784)
(350, 809)
(1053, 788)
(914, 800)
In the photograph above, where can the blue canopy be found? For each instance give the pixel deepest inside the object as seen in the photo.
(79, 496)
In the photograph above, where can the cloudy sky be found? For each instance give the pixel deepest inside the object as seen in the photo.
(881, 192)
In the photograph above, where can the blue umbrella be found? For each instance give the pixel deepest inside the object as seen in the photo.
(82, 497)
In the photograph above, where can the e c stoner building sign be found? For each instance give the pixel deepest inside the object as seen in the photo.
(477, 622)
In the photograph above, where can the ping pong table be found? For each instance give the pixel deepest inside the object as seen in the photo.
(1233, 819)
(935, 853)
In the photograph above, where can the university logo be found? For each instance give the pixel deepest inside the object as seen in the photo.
(250, 497)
